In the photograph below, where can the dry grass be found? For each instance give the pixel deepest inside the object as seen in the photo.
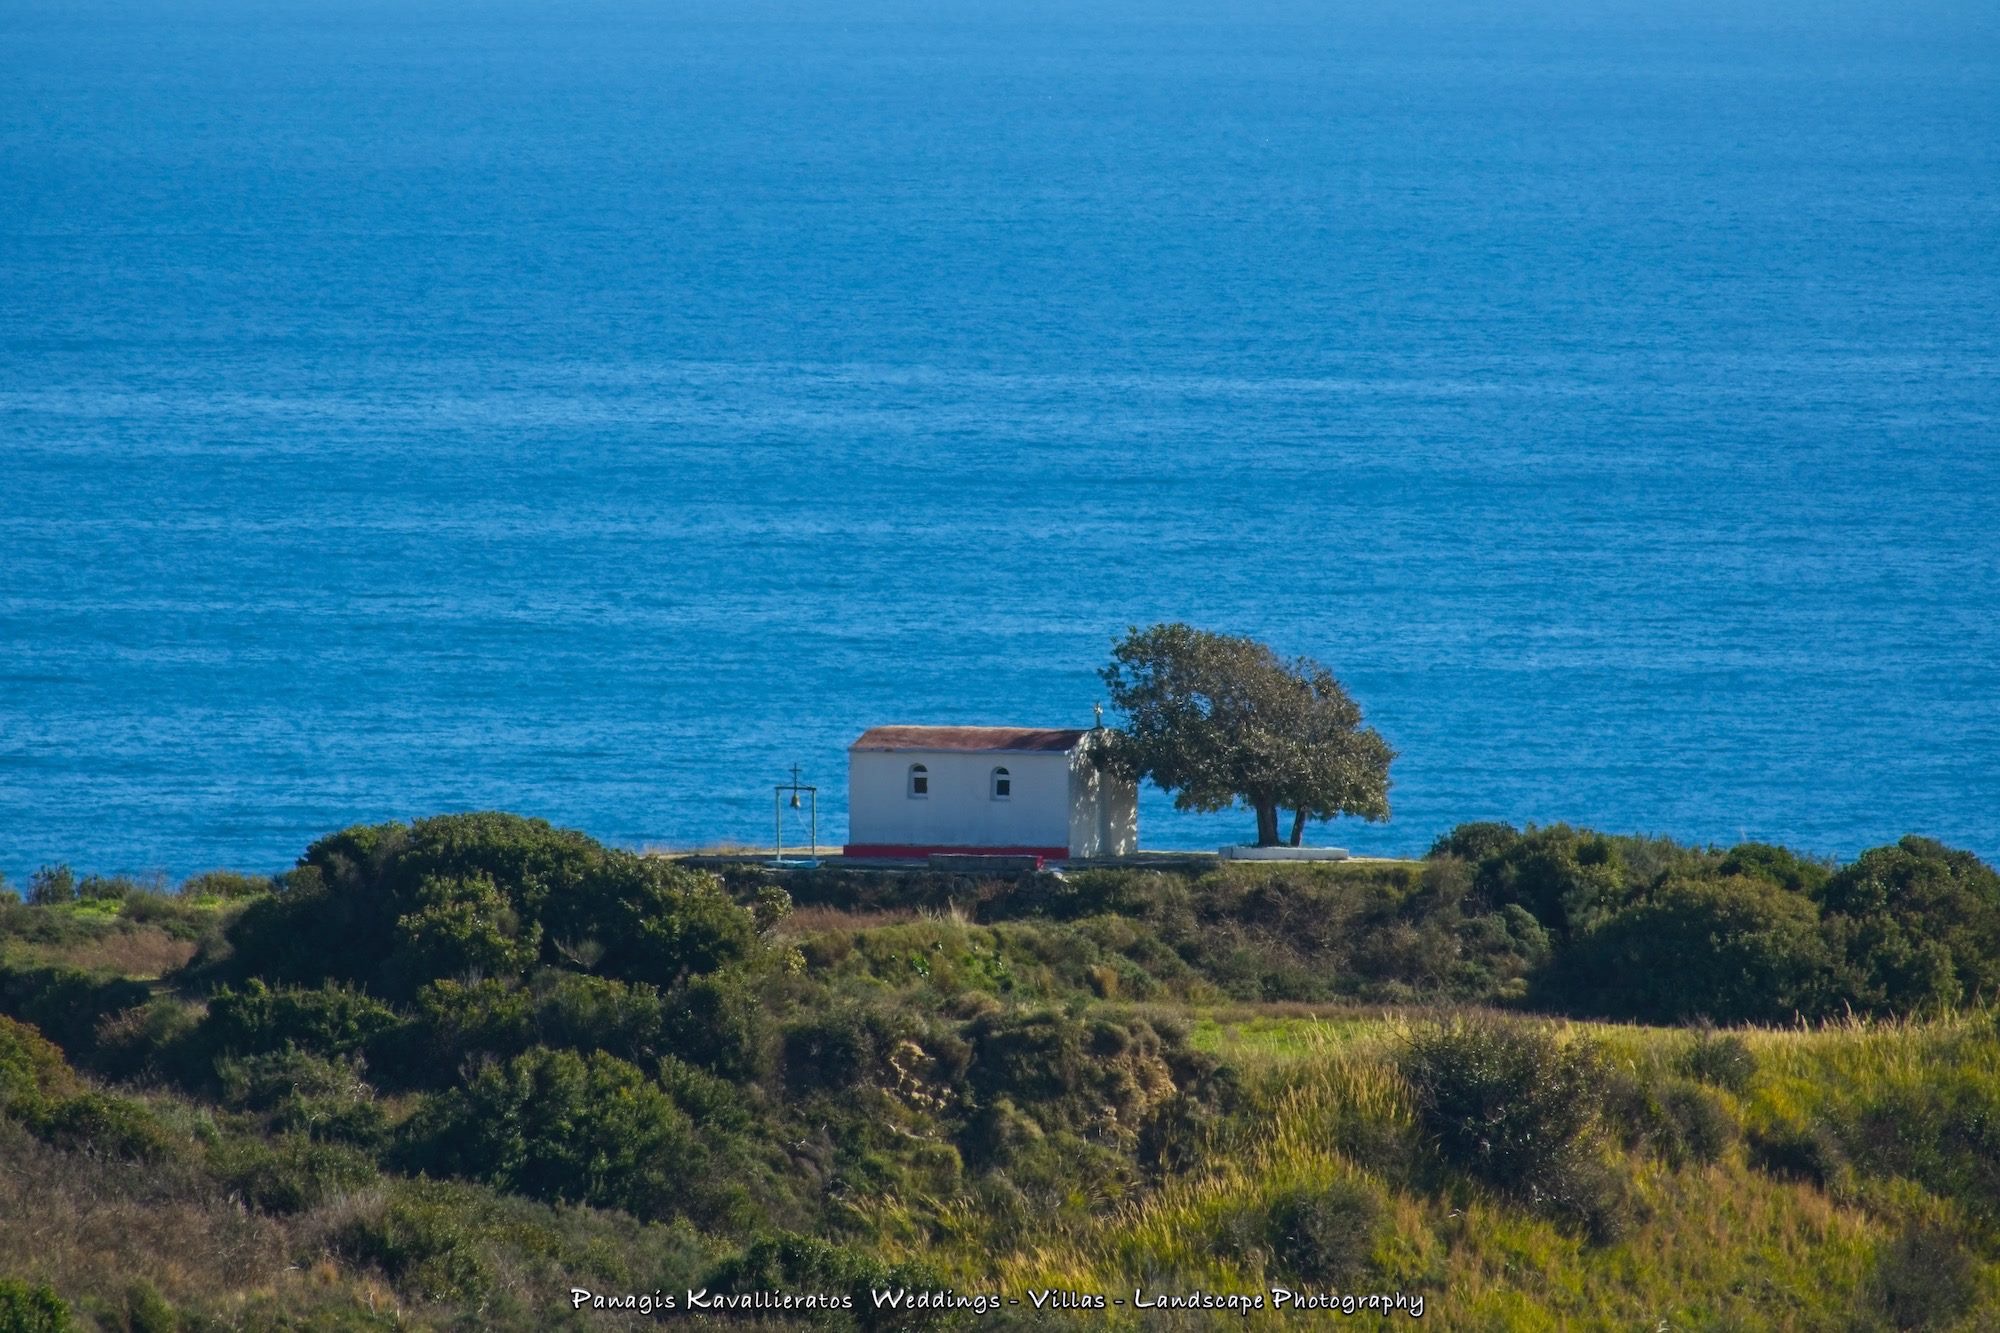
(1716, 1246)
(89, 1225)
(96, 1229)
(816, 919)
(142, 952)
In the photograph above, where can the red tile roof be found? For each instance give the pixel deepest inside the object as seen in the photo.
(969, 738)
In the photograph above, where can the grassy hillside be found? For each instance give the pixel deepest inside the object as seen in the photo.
(1807, 1203)
(441, 1074)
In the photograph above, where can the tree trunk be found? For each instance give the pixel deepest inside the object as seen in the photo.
(1298, 827)
(1267, 823)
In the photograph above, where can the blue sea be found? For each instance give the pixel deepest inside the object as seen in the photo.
(592, 408)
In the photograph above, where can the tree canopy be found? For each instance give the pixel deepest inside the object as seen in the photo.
(1217, 719)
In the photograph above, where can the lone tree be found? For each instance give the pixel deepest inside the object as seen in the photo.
(1216, 719)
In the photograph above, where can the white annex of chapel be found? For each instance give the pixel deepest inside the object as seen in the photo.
(1004, 791)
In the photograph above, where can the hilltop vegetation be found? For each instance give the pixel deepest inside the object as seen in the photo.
(441, 1073)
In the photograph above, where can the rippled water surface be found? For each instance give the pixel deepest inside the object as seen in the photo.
(593, 409)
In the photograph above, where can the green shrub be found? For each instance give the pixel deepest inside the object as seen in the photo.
(1177, 1133)
(1677, 1120)
(847, 1044)
(1723, 1061)
(423, 1240)
(584, 1013)
(708, 1020)
(1942, 1132)
(456, 1024)
(1568, 879)
(65, 1003)
(357, 1121)
(179, 918)
(36, 1309)
(289, 1173)
(58, 930)
(1504, 1102)
(229, 885)
(787, 1262)
(1703, 1127)
(462, 926)
(1515, 1107)
(661, 923)
(1811, 1153)
(108, 888)
(1327, 1236)
(393, 907)
(1780, 866)
(574, 1129)
(831, 1049)
(873, 890)
(293, 937)
(262, 1081)
(718, 1023)
(155, 1039)
(324, 1099)
(51, 885)
(1000, 1134)
(770, 905)
(328, 1021)
(146, 1311)
(1925, 1278)
(1066, 897)
(1474, 842)
(1732, 951)
(1917, 925)
(1650, 861)
(32, 1071)
(122, 1128)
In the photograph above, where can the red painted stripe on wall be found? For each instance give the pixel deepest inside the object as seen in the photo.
(903, 851)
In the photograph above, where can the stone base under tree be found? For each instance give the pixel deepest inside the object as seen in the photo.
(1251, 852)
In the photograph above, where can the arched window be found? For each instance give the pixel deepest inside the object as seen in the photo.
(1003, 785)
(920, 781)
